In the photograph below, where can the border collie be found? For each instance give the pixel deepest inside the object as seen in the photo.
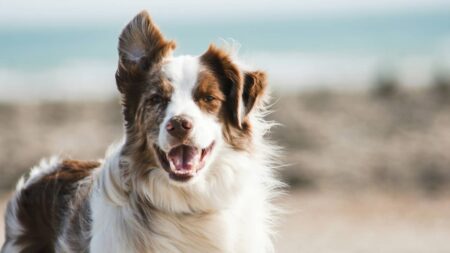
(194, 173)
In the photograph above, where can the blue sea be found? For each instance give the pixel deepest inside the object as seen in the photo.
(297, 52)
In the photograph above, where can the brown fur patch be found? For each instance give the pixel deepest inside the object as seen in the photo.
(228, 75)
(234, 85)
(230, 79)
(208, 85)
(144, 129)
(42, 206)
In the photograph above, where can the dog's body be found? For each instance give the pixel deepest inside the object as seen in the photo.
(193, 174)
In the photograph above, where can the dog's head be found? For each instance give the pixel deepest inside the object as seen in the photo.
(180, 111)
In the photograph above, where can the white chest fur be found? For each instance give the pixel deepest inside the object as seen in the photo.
(234, 230)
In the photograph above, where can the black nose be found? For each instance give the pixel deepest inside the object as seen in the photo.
(179, 127)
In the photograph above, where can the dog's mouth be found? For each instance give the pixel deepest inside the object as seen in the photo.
(183, 162)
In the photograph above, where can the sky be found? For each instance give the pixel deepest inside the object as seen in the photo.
(51, 12)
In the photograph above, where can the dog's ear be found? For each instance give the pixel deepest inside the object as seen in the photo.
(141, 46)
(230, 78)
(255, 84)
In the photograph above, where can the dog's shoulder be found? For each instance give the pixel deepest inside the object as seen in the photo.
(43, 200)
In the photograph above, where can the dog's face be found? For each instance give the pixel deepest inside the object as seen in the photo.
(183, 110)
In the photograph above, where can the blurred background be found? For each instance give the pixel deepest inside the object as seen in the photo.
(361, 89)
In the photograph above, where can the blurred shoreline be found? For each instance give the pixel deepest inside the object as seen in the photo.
(299, 53)
(288, 72)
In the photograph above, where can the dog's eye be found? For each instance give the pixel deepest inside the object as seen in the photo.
(208, 98)
(156, 99)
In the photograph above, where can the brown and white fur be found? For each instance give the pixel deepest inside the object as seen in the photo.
(193, 174)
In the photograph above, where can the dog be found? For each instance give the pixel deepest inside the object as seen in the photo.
(194, 172)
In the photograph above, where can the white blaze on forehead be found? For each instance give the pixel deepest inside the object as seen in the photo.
(182, 72)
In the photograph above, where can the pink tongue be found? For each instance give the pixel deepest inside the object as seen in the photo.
(184, 157)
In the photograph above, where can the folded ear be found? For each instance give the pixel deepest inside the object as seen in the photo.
(141, 46)
(255, 84)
